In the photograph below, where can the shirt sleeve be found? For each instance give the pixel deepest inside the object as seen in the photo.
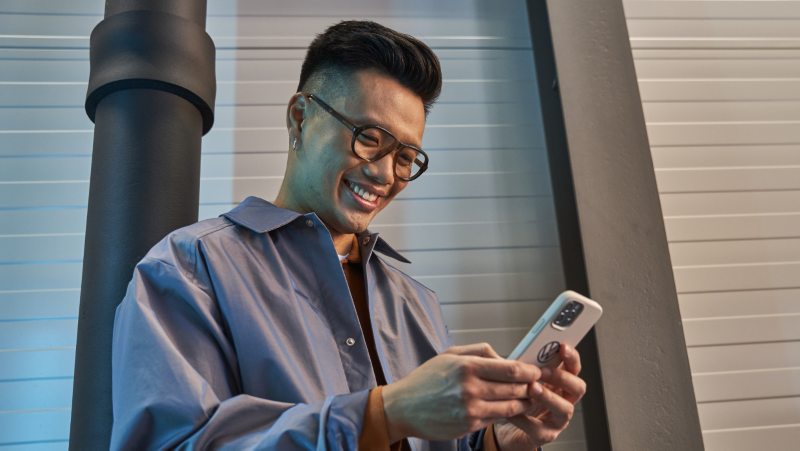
(175, 380)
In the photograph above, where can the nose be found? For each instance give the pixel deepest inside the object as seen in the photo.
(382, 171)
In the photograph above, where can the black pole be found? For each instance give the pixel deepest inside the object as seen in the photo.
(151, 97)
(614, 247)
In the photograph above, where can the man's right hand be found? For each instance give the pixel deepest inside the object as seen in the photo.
(462, 390)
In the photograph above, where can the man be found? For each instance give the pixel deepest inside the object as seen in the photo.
(247, 331)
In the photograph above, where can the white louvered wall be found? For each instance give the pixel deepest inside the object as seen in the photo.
(479, 225)
(720, 85)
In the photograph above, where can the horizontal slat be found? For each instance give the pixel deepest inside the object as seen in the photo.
(41, 426)
(46, 276)
(718, 69)
(739, 303)
(754, 356)
(466, 261)
(23, 222)
(753, 28)
(494, 315)
(718, 134)
(718, 90)
(779, 438)
(486, 235)
(783, 225)
(744, 277)
(38, 334)
(497, 287)
(728, 179)
(35, 394)
(725, 156)
(751, 384)
(715, 43)
(716, 9)
(41, 248)
(728, 110)
(734, 252)
(739, 203)
(747, 329)
(40, 304)
(45, 363)
(751, 413)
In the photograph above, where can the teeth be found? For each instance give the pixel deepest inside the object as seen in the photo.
(363, 193)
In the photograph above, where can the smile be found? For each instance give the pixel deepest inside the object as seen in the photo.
(364, 194)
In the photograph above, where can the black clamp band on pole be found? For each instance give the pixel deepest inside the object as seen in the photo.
(152, 50)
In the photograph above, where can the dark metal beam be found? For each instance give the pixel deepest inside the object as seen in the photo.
(151, 97)
(612, 232)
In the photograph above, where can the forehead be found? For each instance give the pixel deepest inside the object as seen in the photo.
(373, 98)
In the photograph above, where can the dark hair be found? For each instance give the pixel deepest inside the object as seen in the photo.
(354, 45)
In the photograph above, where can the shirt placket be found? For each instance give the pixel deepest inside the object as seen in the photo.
(339, 309)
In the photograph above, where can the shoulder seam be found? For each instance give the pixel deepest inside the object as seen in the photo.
(195, 261)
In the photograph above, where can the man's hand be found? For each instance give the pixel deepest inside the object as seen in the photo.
(464, 389)
(553, 410)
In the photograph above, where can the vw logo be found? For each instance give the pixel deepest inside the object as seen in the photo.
(548, 352)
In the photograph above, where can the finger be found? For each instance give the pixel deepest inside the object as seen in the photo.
(495, 410)
(539, 432)
(571, 359)
(501, 370)
(571, 386)
(477, 349)
(560, 409)
(497, 391)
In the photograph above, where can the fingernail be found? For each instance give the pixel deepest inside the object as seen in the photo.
(537, 389)
(568, 351)
(546, 373)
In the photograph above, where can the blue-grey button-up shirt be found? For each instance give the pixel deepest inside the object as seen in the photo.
(238, 332)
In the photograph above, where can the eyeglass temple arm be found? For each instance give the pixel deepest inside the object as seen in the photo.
(333, 113)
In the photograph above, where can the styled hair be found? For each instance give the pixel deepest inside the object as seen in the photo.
(353, 45)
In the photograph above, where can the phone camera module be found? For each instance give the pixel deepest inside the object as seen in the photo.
(568, 314)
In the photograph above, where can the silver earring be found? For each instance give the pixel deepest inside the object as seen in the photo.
(294, 144)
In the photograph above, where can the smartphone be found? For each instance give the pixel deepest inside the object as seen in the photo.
(566, 321)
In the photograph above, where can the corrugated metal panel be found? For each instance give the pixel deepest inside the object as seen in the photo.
(720, 84)
(479, 226)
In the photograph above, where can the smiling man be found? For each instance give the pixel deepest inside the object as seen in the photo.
(278, 325)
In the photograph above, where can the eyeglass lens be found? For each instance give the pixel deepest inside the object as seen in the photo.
(373, 144)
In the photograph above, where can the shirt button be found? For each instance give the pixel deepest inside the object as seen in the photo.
(310, 223)
(365, 242)
(350, 342)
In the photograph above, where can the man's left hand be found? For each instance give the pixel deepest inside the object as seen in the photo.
(562, 388)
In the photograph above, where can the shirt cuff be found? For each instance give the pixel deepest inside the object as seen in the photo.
(374, 434)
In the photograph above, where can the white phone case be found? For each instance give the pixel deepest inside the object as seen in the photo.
(540, 346)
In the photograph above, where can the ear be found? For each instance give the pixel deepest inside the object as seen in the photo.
(296, 116)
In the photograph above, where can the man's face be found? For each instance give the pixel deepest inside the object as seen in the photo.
(327, 177)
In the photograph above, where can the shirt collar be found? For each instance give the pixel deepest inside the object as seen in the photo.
(261, 216)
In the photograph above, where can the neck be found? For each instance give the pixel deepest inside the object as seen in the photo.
(341, 241)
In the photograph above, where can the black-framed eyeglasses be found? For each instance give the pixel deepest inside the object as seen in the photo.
(373, 142)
